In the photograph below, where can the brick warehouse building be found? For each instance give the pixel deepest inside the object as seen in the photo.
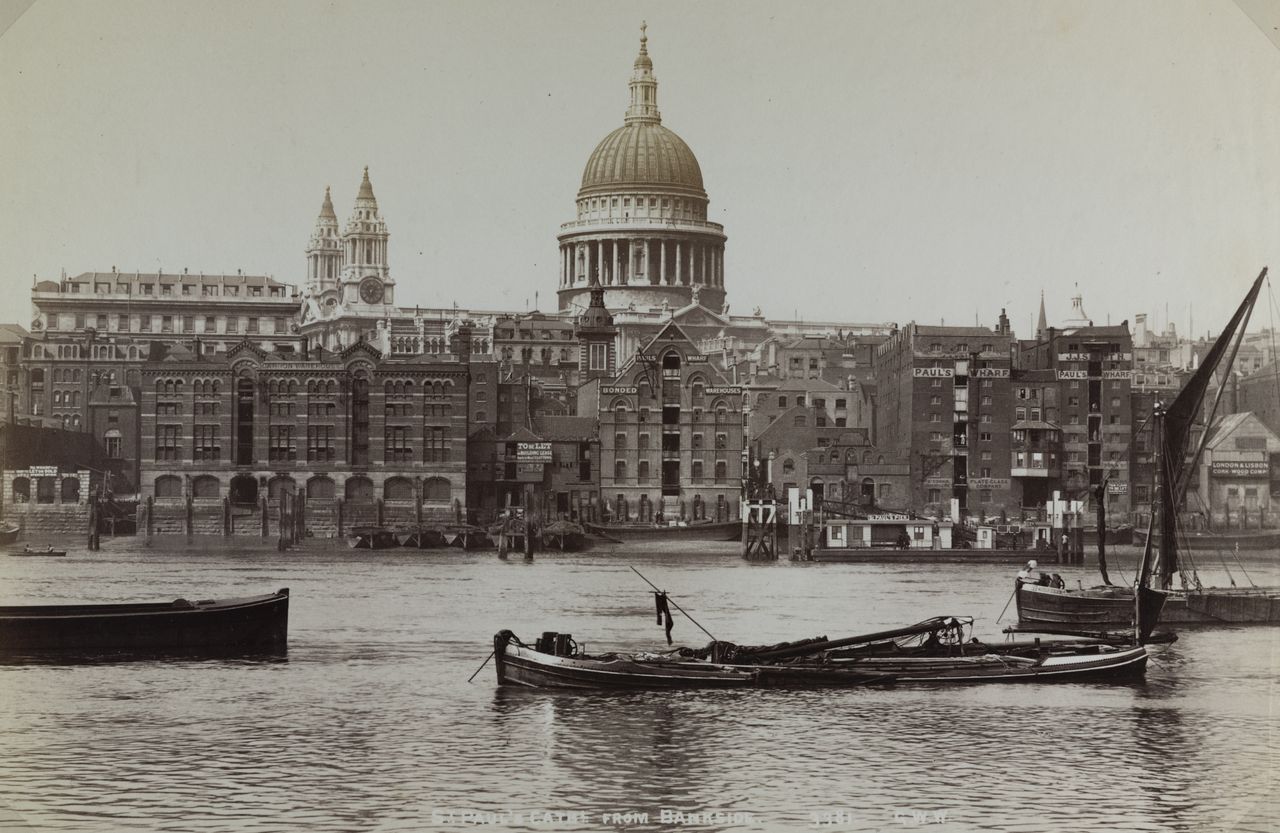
(1092, 368)
(671, 434)
(354, 426)
(943, 403)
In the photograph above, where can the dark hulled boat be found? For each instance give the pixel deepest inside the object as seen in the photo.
(48, 553)
(9, 533)
(180, 626)
(372, 538)
(695, 531)
(933, 651)
(565, 536)
(1112, 607)
(550, 666)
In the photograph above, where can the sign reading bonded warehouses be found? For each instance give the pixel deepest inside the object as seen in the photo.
(1240, 468)
(934, 372)
(533, 452)
(615, 390)
(729, 391)
(991, 373)
(1073, 374)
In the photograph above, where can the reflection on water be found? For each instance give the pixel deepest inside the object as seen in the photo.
(369, 723)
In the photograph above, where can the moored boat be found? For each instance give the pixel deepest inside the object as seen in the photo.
(566, 536)
(422, 537)
(180, 626)
(680, 531)
(938, 650)
(1110, 606)
(48, 553)
(372, 538)
(558, 663)
(465, 536)
(9, 533)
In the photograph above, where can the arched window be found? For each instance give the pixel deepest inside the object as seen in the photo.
(397, 488)
(788, 466)
(278, 487)
(320, 488)
(436, 489)
(206, 486)
(359, 490)
(168, 486)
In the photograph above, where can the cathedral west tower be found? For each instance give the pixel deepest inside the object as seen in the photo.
(641, 230)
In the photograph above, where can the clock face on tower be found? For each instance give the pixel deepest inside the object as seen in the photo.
(371, 290)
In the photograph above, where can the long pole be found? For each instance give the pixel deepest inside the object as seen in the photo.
(678, 607)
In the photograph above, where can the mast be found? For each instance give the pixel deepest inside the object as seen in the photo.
(1101, 496)
(1175, 424)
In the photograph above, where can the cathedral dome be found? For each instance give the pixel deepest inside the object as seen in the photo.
(642, 153)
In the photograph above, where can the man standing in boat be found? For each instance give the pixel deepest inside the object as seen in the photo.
(1026, 573)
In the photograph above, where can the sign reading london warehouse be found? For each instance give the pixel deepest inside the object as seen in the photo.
(1260, 469)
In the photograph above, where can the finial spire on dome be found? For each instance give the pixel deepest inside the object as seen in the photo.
(326, 208)
(644, 87)
(365, 197)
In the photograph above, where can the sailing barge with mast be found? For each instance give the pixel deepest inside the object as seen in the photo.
(1111, 607)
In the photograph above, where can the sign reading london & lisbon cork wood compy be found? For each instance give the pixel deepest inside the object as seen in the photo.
(1260, 469)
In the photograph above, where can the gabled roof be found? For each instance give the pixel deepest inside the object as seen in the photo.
(1228, 425)
(361, 347)
(523, 434)
(691, 309)
(12, 334)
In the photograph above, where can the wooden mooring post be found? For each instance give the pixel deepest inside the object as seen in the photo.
(760, 530)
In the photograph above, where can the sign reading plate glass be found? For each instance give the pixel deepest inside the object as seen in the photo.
(533, 452)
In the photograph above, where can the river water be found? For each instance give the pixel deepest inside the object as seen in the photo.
(369, 724)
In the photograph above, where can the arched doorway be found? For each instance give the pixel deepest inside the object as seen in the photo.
(281, 486)
(436, 489)
(359, 490)
(168, 486)
(206, 486)
(397, 488)
(868, 491)
(244, 489)
(320, 488)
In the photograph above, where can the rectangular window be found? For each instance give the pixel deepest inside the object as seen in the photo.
(281, 447)
(599, 357)
(205, 443)
(168, 442)
(619, 440)
(436, 449)
(396, 448)
(320, 443)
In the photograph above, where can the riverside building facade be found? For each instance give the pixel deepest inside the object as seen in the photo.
(943, 405)
(354, 426)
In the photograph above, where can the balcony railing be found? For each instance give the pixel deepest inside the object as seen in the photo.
(669, 223)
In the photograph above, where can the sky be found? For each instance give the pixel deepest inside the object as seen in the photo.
(870, 161)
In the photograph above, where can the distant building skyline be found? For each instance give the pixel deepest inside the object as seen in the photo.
(892, 163)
